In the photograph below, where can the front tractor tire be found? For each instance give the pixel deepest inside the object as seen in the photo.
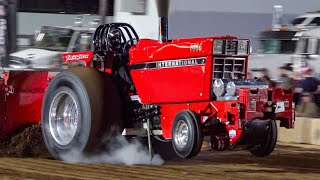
(266, 147)
(81, 106)
(186, 134)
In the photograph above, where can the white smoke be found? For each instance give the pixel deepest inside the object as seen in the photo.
(125, 152)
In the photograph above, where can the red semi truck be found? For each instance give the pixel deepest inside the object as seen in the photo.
(176, 91)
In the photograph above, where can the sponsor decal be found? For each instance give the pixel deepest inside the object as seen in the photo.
(280, 107)
(175, 63)
(77, 57)
(205, 118)
(195, 47)
(232, 133)
(85, 56)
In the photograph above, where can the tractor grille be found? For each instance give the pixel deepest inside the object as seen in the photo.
(231, 68)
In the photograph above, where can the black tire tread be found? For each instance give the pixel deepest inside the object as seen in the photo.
(267, 149)
(196, 128)
(102, 95)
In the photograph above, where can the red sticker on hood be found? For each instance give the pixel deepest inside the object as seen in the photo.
(85, 56)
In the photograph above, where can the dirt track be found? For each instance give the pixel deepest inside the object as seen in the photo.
(285, 163)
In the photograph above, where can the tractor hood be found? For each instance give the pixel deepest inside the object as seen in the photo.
(34, 58)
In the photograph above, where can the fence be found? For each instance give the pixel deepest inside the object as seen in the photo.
(306, 131)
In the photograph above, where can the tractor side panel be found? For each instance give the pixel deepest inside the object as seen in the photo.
(149, 50)
(25, 102)
(142, 83)
(174, 84)
(169, 111)
(171, 72)
(180, 84)
(226, 111)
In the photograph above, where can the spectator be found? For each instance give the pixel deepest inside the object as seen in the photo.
(266, 78)
(309, 83)
(285, 80)
(297, 88)
(307, 107)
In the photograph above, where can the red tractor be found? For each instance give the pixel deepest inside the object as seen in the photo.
(172, 91)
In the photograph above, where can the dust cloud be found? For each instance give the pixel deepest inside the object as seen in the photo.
(123, 152)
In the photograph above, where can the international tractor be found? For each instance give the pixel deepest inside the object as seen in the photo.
(172, 91)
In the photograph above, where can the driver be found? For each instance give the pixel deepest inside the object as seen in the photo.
(119, 65)
(114, 39)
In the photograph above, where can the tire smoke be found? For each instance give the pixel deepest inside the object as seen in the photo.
(122, 152)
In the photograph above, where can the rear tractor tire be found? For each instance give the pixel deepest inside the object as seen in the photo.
(81, 107)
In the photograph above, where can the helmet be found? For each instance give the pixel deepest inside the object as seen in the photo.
(114, 39)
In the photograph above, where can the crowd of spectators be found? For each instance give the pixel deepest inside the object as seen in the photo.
(306, 88)
(307, 91)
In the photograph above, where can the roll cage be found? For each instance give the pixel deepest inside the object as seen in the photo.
(100, 39)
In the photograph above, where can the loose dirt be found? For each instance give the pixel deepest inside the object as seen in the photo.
(25, 142)
(24, 156)
(286, 162)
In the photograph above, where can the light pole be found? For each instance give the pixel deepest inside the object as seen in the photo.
(103, 4)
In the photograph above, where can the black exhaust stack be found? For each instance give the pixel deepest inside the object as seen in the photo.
(163, 8)
(163, 29)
